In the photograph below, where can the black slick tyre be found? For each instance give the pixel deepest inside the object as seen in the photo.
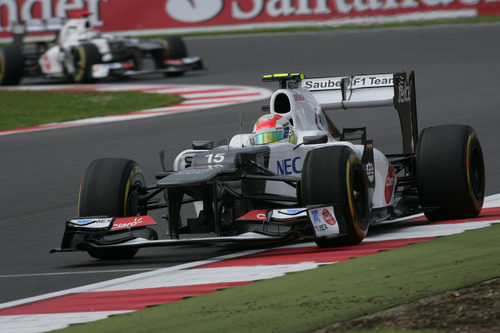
(334, 175)
(450, 172)
(84, 57)
(11, 65)
(173, 48)
(111, 187)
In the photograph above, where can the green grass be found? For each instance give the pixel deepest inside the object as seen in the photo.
(309, 300)
(25, 109)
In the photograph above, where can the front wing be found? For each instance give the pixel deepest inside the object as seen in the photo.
(104, 232)
(104, 70)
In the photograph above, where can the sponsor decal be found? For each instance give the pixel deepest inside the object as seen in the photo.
(320, 121)
(174, 62)
(334, 83)
(100, 71)
(254, 215)
(389, 184)
(46, 63)
(373, 81)
(370, 171)
(97, 223)
(193, 11)
(122, 223)
(115, 16)
(318, 84)
(289, 166)
(288, 214)
(32, 11)
(324, 222)
(328, 217)
(298, 97)
(294, 211)
(404, 91)
(127, 64)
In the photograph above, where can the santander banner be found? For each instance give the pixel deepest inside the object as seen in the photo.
(150, 16)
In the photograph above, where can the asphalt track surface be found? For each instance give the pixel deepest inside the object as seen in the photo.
(458, 82)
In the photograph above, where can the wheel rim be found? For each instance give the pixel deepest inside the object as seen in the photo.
(476, 173)
(132, 193)
(78, 64)
(359, 195)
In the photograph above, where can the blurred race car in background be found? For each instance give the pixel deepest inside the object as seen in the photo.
(83, 55)
(296, 176)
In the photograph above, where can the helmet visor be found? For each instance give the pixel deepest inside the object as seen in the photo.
(268, 137)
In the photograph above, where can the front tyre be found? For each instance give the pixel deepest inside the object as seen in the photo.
(334, 175)
(173, 48)
(111, 187)
(11, 65)
(450, 172)
(84, 57)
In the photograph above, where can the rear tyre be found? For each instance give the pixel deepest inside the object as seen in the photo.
(173, 48)
(450, 172)
(11, 65)
(335, 176)
(111, 187)
(84, 57)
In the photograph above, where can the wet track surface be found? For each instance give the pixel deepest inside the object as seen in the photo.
(457, 76)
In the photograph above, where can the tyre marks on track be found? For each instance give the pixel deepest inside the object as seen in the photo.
(196, 97)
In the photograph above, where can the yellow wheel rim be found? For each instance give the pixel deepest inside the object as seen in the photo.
(80, 72)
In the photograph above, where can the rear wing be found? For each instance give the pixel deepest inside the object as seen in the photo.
(20, 29)
(363, 91)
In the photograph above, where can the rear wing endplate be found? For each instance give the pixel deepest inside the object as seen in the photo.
(363, 91)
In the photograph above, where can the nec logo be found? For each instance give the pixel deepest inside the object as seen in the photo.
(288, 166)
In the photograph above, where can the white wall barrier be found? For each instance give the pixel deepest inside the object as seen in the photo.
(174, 16)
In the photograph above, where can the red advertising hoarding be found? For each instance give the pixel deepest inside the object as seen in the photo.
(134, 16)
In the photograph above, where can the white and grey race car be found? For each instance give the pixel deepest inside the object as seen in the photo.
(83, 55)
(296, 176)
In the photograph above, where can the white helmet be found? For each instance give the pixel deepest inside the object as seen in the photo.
(272, 128)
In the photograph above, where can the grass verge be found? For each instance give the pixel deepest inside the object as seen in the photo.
(309, 300)
(20, 109)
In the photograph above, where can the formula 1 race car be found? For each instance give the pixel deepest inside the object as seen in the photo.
(296, 176)
(83, 55)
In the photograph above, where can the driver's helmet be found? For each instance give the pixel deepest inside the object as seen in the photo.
(272, 128)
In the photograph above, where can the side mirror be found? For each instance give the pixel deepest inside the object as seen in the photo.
(315, 139)
(205, 145)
